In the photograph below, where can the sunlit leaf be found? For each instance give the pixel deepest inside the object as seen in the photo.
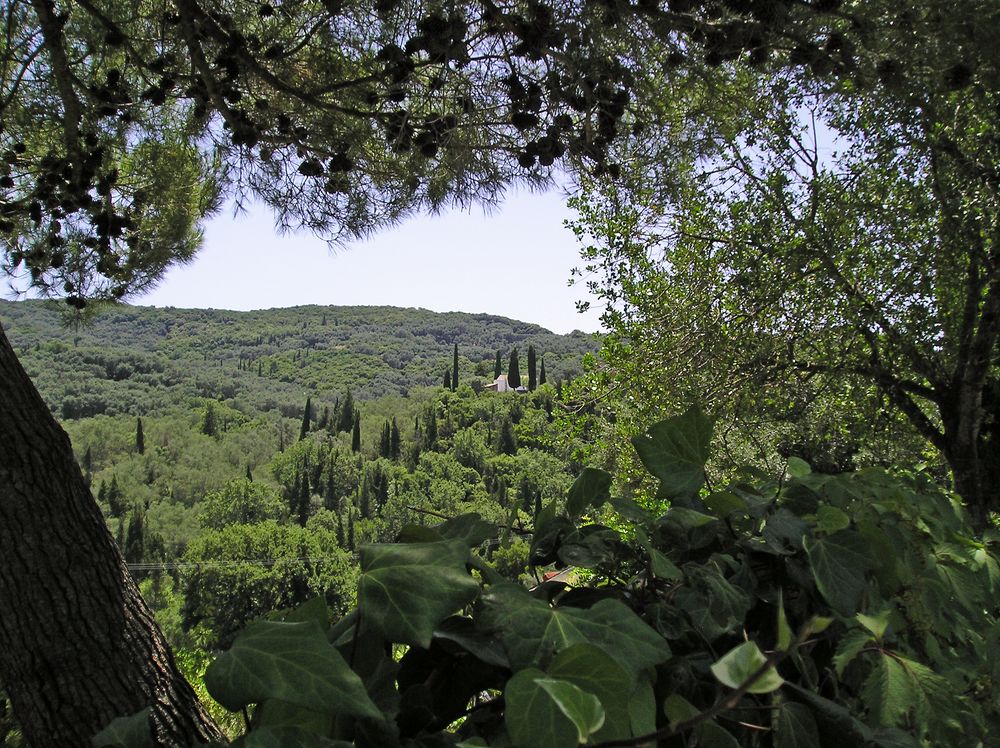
(737, 666)
(675, 451)
(584, 709)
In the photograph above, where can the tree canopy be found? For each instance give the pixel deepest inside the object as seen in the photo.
(809, 237)
(123, 123)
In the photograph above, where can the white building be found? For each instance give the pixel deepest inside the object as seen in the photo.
(500, 385)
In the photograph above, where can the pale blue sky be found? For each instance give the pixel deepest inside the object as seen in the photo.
(514, 261)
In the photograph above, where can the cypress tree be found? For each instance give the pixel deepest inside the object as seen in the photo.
(305, 493)
(384, 447)
(514, 370)
(249, 474)
(324, 418)
(330, 499)
(394, 440)
(135, 538)
(306, 420)
(346, 420)
(497, 368)
(350, 529)
(532, 378)
(140, 439)
(356, 432)
(209, 421)
(507, 440)
(340, 530)
(88, 461)
(365, 500)
(116, 501)
(293, 493)
(454, 369)
(541, 373)
(447, 379)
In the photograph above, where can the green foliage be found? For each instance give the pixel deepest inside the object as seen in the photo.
(132, 731)
(131, 360)
(241, 572)
(241, 502)
(881, 630)
(290, 662)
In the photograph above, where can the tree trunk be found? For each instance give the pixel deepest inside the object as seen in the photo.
(969, 451)
(78, 646)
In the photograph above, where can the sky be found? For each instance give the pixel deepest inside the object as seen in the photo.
(514, 261)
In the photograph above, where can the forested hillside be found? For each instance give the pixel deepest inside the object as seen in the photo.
(138, 360)
(765, 516)
(241, 458)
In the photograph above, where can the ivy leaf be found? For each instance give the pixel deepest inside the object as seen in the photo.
(712, 735)
(736, 667)
(663, 567)
(132, 731)
(641, 708)
(532, 631)
(795, 727)
(314, 609)
(471, 529)
(835, 719)
(631, 511)
(404, 591)
(592, 669)
(839, 563)
(783, 531)
(277, 713)
(418, 534)
(287, 736)
(678, 709)
(713, 604)
(532, 717)
(292, 662)
(675, 451)
(686, 519)
(591, 488)
(798, 468)
(463, 633)
(724, 503)
(584, 709)
(830, 519)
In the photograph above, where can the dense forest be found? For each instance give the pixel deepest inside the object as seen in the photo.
(140, 361)
(763, 514)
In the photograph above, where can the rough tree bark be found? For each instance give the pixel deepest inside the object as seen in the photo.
(78, 646)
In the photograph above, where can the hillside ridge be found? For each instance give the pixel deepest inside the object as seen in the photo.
(138, 360)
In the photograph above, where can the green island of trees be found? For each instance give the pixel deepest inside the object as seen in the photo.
(790, 211)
